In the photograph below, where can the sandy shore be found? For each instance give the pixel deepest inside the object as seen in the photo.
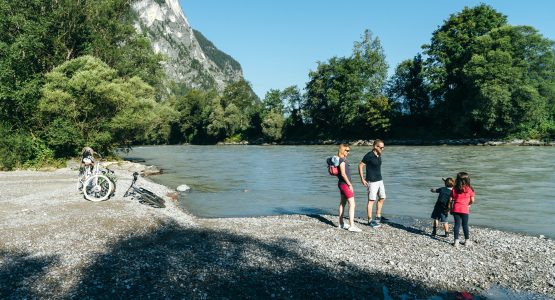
(55, 244)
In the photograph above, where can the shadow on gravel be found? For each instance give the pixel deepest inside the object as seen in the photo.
(323, 220)
(19, 272)
(407, 228)
(193, 263)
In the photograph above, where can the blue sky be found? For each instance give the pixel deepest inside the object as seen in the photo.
(277, 42)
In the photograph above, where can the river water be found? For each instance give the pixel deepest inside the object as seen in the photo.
(514, 185)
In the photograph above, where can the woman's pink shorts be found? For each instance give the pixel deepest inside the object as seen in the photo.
(345, 191)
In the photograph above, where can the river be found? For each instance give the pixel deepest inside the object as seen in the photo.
(514, 185)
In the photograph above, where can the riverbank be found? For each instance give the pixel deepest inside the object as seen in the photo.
(409, 142)
(54, 244)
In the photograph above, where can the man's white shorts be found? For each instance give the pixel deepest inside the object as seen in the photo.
(376, 190)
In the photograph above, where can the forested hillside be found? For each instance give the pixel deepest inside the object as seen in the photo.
(76, 73)
(69, 70)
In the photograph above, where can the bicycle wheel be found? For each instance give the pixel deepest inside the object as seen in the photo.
(147, 192)
(98, 188)
(155, 201)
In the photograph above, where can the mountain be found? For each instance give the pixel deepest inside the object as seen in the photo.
(192, 61)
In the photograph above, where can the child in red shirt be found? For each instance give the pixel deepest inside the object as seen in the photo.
(462, 196)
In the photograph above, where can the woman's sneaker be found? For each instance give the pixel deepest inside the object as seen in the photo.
(354, 229)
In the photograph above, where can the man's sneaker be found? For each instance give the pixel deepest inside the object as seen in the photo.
(344, 226)
(456, 244)
(467, 243)
(354, 229)
(374, 224)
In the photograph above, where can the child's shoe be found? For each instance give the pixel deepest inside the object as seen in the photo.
(446, 234)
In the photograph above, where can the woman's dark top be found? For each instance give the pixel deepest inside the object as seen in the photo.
(347, 171)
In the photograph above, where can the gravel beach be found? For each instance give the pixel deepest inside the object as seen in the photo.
(55, 244)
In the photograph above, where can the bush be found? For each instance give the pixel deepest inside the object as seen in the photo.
(20, 149)
(85, 102)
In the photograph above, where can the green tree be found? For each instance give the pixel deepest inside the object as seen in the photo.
(274, 101)
(244, 109)
(272, 115)
(272, 126)
(377, 113)
(451, 48)
(340, 91)
(369, 58)
(512, 74)
(408, 86)
(294, 124)
(85, 103)
(216, 127)
(18, 148)
(194, 110)
(37, 35)
(412, 106)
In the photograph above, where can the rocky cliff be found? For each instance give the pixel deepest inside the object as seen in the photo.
(192, 61)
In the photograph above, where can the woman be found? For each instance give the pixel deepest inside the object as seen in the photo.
(346, 189)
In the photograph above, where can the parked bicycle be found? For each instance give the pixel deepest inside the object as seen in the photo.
(143, 195)
(96, 183)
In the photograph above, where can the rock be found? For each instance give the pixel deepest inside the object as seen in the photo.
(183, 188)
(151, 170)
(532, 143)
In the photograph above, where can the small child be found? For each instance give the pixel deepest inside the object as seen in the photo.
(460, 200)
(441, 208)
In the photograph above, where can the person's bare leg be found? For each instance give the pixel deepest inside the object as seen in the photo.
(379, 208)
(351, 211)
(342, 204)
(446, 227)
(369, 209)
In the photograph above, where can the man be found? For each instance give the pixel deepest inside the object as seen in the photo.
(373, 181)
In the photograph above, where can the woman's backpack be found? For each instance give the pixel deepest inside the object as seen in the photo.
(333, 165)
